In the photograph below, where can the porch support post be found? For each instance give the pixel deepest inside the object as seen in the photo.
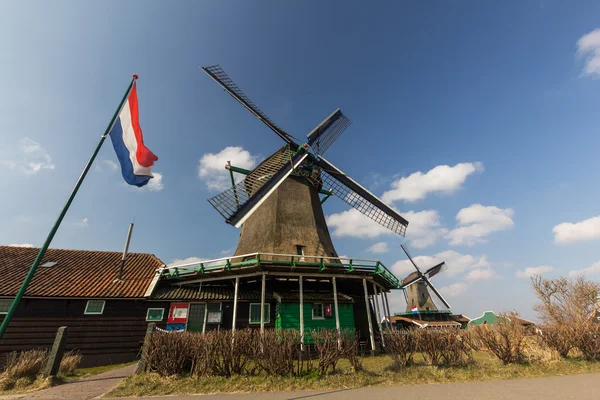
(378, 312)
(335, 308)
(235, 299)
(262, 305)
(205, 317)
(368, 308)
(389, 314)
(301, 313)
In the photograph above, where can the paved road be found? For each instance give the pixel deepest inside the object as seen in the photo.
(579, 387)
(84, 389)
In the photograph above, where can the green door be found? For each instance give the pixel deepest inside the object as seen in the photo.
(196, 317)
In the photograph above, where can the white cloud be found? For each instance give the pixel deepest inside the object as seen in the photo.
(379, 248)
(476, 222)
(211, 168)
(442, 179)
(34, 158)
(423, 229)
(82, 223)
(107, 165)
(226, 252)
(454, 290)
(457, 263)
(21, 245)
(531, 271)
(155, 184)
(189, 260)
(589, 44)
(568, 232)
(591, 270)
(353, 223)
(481, 274)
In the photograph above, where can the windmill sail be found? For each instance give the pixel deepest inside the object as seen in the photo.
(438, 294)
(360, 198)
(221, 77)
(323, 136)
(240, 201)
(433, 271)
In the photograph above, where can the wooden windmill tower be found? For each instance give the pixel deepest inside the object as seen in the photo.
(277, 205)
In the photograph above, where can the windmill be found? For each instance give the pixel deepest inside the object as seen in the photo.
(277, 203)
(416, 286)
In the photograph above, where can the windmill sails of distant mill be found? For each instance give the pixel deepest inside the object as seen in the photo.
(281, 194)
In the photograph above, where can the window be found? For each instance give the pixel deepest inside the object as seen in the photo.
(155, 314)
(94, 307)
(318, 311)
(5, 305)
(300, 252)
(255, 313)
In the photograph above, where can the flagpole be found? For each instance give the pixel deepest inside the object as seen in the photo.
(42, 251)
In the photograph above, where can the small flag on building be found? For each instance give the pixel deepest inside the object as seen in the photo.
(126, 135)
(415, 310)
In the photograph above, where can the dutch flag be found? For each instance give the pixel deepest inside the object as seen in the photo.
(415, 310)
(126, 136)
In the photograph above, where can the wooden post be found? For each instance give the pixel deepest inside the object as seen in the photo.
(301, 314)
(378, 312)
(56, 354)
(387, 306)
(335, 309)
(143, 363)
(262, 305)
(235, 299)
(205, 317)
(368, 307)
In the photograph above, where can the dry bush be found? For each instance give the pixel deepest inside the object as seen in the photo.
(25, 364)
(567, 308)
(587, 340)
(430, 344)
(456, 346)
(401, 345)
(560, 338)
(277, 351)
(328, 349)
(69, 363)
(168, 353)
(506, 340)
(349, 347)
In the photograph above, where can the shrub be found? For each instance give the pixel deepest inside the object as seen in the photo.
(401, 345)
(349, 346)
(559, 338)
(587, 340)
(69, 363)
(277, 350)
(27, 364)
(506, 340)
(328, 349)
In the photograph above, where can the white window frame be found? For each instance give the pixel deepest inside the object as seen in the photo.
(268, 313)
(322, 311)
(162, 316)
(85, 311)
(10, 302)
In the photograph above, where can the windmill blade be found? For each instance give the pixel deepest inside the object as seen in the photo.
(410, 258)
(323, 136)
(238, 203)
(438, 294)
(410, 279)
(360, 198)
(217, 73)
(433, 271)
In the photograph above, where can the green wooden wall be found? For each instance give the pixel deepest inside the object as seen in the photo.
(288, 317)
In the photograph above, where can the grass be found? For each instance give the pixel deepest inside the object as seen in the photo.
(379, 373)
(28, 385)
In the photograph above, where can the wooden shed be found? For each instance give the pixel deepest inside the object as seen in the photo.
(106, 316)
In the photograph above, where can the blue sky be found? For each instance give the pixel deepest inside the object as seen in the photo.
(478, 121)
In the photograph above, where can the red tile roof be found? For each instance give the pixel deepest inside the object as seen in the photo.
(78, 273)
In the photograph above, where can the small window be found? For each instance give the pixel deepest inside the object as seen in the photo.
(255, 313)
(318, 311)
(5, 305)
(300, 252)
(49, 264)
(155, 314)
(94, 307)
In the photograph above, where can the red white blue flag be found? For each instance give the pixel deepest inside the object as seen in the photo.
(415, 310)
(126, 136)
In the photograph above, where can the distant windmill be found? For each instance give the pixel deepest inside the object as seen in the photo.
(289, 182)
(416, 286)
